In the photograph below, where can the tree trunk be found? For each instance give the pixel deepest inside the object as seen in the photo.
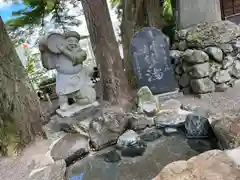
(114, 84)
(20, 117)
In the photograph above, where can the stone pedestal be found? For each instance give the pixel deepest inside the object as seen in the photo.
(192, 12)
(74, 109)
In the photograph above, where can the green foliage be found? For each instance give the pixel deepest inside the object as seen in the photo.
(115, 2)
(34, 76)
(167, 10)
(32, 20)
(35, 11)
(30, 65)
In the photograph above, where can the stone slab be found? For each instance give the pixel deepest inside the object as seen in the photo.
(168, 95)
(193, 12)
(74, 109)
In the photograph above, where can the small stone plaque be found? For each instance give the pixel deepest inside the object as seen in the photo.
(151, 61)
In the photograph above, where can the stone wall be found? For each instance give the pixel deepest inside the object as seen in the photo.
(206, 57)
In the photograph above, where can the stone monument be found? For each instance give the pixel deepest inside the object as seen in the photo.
(63, 53)
(193, 12)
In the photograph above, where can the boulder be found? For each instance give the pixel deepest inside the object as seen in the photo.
(195, 56)
(138, 122)
(215, 53)
(169, 119)
(186, 67)
(200, 70)
(221, 87)
(227, 61)
(201, 86)
(214, 164)
(213, 67)
(150, 134)
(169, 131)
(221, 76)
(71, 147)
(226, 47)
(235, 70)
(128, 138)
(182, 45)
(197, 126)
(227, 130)
(105, 130)
(178, 70)
(175, 54)
(54, 171)
(184, 80)
(171, 105)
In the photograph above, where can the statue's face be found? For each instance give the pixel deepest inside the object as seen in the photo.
(72, 43)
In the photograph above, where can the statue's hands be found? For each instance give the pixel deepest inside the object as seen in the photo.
(61, 47)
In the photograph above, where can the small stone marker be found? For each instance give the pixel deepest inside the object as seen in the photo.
(151, 61)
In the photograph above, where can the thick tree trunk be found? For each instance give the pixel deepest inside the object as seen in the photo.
(113, 79)
(20, 117)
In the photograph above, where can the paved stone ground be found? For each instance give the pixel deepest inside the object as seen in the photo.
(148, 166)
(218, 102)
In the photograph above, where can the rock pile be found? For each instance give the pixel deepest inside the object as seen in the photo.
(206, 57)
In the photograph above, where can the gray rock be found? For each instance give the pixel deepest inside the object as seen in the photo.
(186, 67)
(221, 87)
(70, 146)
(200, 70)
(186, 90)
(238, 56)
(196, 126)
(195, 56)
(169, 119)
(181, 34)
(128, 138)
(174, 46)
(175, 54)
(151, 134)
(178, 70)
(184, 80)
(138, 121)
(226, 47)
(227, 61)
(54, 171)
(177, 77)
(232, 82)
(170, 130)
(189, 107)
(214, 67)
(105, 130)
(171, 105)
(235, 70)
(201, 86)
(201, 111)
(214, 33)
(182, 45)
(221, 76)
(215, 53)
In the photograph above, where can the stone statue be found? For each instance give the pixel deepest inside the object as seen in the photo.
(63, 53)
